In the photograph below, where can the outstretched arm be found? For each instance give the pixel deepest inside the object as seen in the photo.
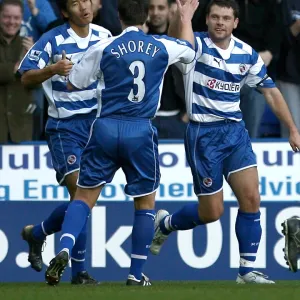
(279, 107)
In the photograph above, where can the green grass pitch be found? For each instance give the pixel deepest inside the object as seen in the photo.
(201, 290)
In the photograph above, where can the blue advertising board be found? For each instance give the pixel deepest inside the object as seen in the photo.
(205, 253)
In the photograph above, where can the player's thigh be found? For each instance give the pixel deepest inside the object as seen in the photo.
(205, 159)
(139, 158)
(241, 173)
(65, 149)
(71, 184)
(99, 160)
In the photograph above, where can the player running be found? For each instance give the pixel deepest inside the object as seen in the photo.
(71, 114)
(217, 143)
(130, 69)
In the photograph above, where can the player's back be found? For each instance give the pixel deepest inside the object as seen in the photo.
(133, 66)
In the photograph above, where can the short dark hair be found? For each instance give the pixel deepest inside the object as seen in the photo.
(11, 2)
(62, 4)
(133, 12)
(224, 3)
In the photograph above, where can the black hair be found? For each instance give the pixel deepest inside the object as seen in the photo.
(133, 12)
(224, 3)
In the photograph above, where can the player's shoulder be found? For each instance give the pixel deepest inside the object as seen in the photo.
(101, 31)
(202, 35)
(167, 40)
(55, 35)
(244, 47)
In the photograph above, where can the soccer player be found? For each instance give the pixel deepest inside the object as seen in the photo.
(130, 69)
(70, 117)
(217, 143)
(291, 230)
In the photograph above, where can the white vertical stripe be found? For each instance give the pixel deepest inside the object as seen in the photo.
(43, 228)
(154, 156)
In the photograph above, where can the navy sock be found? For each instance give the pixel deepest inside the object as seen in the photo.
(52, 224)
(248, 232)
(75, 220)
(186, 218)
(142, 235)
(78, 252)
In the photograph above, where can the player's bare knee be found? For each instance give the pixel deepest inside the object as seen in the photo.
(211, 215)
(145, 202)
(250, 201)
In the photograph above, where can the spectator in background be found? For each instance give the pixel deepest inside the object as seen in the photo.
(38, 14)
(260, 27)
(16, 105)
(108, 16)
(173, 9)
(171, 118)
(289, 62)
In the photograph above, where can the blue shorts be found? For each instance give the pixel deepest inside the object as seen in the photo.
(66, 140)
(122, 142)
(217, 149)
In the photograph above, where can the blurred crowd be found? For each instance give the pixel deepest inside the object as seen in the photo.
(271, 27)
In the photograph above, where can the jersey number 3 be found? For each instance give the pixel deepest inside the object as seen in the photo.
(138, 81)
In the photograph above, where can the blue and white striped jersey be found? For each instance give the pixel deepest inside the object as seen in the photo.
(47, 51)
(131, 70)
(213, 82)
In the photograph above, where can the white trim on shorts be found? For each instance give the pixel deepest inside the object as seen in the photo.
(66, 174)
(135, 196)
(154, 156)
(91, 187)
(208, 194)
(241, 169)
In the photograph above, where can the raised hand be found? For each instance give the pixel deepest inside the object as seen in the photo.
(187, 8)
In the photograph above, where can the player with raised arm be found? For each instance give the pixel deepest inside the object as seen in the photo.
(71, 114)
(130, 69)
(217, 143)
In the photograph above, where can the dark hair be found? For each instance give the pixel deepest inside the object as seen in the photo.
(133, 12)
(62, 4)
(224, 3)
(11, 2)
